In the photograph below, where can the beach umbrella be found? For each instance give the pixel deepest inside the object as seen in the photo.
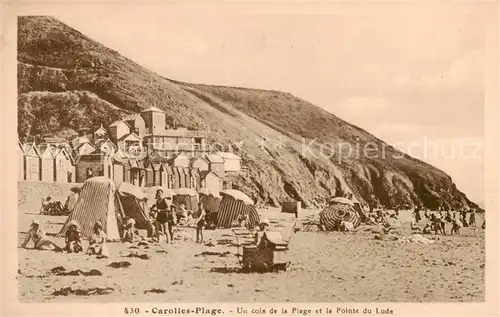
(336, 212)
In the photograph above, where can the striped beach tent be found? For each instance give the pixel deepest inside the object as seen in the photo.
(233, 204)
(98, 201)
(135, 205)
(339, 209)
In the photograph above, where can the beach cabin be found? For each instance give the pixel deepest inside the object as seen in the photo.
(169, 175)
(119, 169)
(182, 177)
(232, 162)
(176, 179)
(20, 162)
(64, 166)
(201, 163)
(47, 162)
(97, 163)
(100, 134)
(216, 164)
(135, 171)
(32, 163)
(157, 172)
(211, 180)
(195, 178)
(181, 160)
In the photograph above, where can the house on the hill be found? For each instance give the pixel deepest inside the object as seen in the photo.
(97, 163)
(47, 162)
(100, 134)
(84, 136)
(106, 146)
(64, 167)
(211, 181)
(32, 163)
(84, 149)
(136, 123)
(232, 162)
(216, 164)
(129, 143)
(118, 129)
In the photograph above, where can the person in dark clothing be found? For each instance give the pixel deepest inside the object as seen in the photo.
(200, 222)
(472, 218)
(161, 208)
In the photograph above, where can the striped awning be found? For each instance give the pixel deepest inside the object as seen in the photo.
(230, 209)
(97, 202)
(331, 217)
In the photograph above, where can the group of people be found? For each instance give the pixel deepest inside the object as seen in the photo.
(73, 239)
(166, 215)
(438, 220)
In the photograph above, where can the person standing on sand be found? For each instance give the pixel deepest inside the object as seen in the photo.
(161, 207)
(472, 218)
(171, 223)
(456, 225)
(464, 218)
(37, 234)
(200, 222)
(417, 215)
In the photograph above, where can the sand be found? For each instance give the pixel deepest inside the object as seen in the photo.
(325, 267)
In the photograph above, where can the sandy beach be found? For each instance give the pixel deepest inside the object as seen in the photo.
(325, 267)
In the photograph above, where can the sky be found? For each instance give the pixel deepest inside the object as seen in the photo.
(409, 74)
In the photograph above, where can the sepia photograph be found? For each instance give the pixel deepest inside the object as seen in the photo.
(259, 154)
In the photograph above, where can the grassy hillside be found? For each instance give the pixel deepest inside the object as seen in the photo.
(67, 80)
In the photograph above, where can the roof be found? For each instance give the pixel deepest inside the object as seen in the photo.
(130, 135)
(43, 148)
(27, 148)
(178, 155)
(65, 153)
(82, 144)
(194, 159)
(152, 109)
(204, 174)
(179, 133)
(238, 195)
(132, 117)
(99, 143)
(228, 156)
(117, 122)
(212, 158)
(101, 130)
(54, 140)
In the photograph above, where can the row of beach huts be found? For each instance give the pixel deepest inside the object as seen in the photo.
(50, 163)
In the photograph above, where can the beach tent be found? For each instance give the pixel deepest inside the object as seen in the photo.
(233, 204)
(186, 196)
(339, 209)
(72, 198)
(98, 201)
(135, 205)
(210, 199)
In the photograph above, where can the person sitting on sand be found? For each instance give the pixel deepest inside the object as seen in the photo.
(263, 226)
(346, 226)
(37, 234)
(97, 241)
(129, 232)
(73, 238)
(45, 205)
(427, 229)
(413, 226)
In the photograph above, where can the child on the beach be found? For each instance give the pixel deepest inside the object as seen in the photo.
(129, 231)
(37, 234)
(98, 241)
(73, 238)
